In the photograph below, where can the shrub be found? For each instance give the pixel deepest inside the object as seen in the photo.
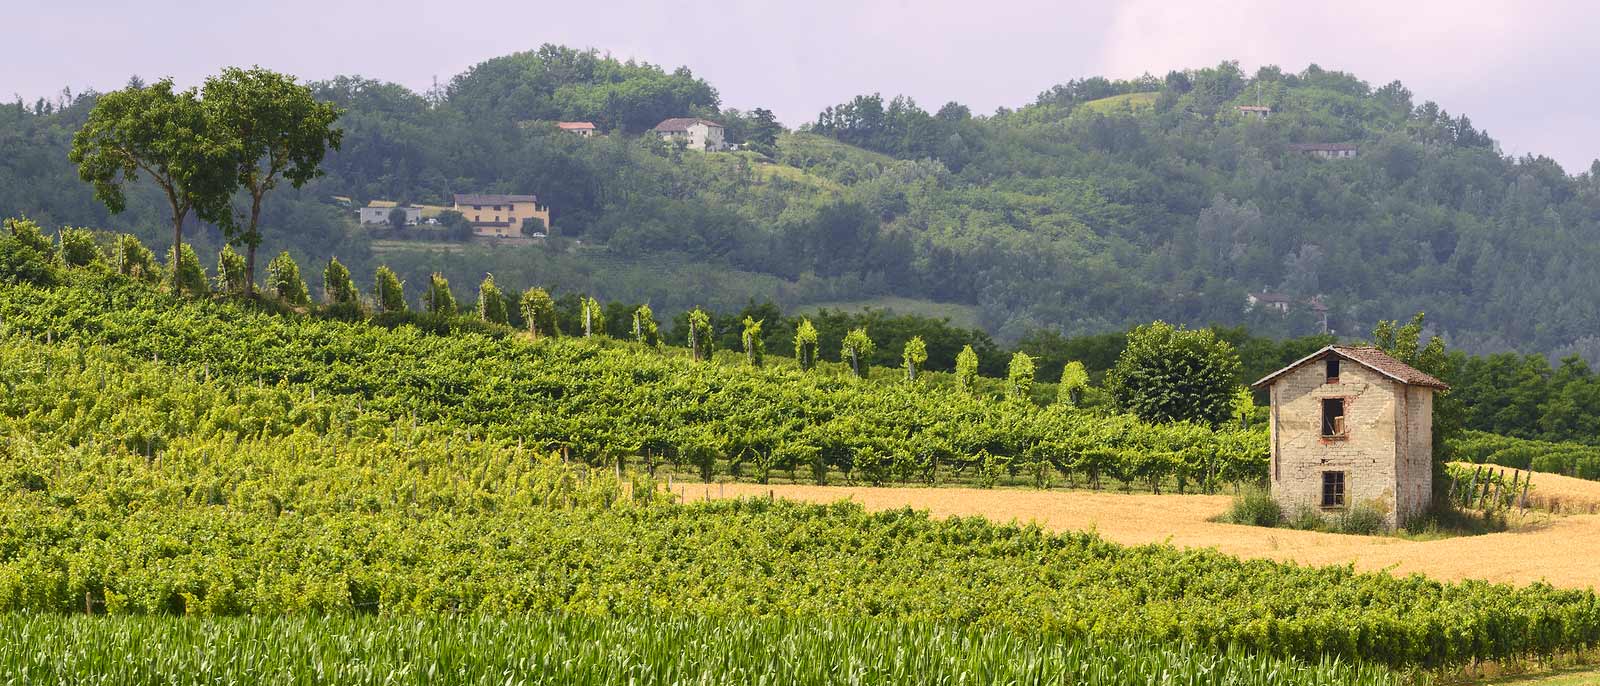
(283, 280)
(20, 263)
(135, 260)
(438, 299)
(1254, 506)
(1363, 518)
(78, 248)
(337, 286)
(230, 271)
(388, 292)
(491, 302)
(1307, 517)
(191, 275)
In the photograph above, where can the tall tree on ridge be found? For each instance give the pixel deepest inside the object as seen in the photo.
(166, 135)
(279, 129)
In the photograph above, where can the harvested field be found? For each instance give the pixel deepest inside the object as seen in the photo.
(1554, 492)
(1560, 552)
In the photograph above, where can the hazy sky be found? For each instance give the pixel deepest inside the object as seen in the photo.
(1520, 70)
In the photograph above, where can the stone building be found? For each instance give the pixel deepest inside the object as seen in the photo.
(1352, 425)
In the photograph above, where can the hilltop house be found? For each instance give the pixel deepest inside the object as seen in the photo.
(1254, 111)
(697, 134)
(500, 215)
(581, 128)
(1327, 151)
(377, 212)
(1268, 301)
(1352, 425)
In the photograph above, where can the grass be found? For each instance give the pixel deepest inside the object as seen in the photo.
(1132, 101)
(963, 316)
(643, 650)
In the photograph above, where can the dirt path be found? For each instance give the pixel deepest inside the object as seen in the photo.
(1563, 552)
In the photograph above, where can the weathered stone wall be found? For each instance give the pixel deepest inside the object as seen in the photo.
(1415, 468)
(1375, 426)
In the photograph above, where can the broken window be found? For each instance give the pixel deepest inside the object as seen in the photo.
(1333, 370)
(1333, 489)
(1333, 416)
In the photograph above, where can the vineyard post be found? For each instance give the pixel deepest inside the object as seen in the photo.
(1525, 483)
(1512, 495)
(1498, 484)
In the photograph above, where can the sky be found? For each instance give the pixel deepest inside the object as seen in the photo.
(1519, 70)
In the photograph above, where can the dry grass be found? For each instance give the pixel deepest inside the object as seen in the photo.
(1555, 493)
(1558, 552)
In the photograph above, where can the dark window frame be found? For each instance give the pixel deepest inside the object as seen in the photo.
(1333, 489)
(1334, 424)
(1332, 365)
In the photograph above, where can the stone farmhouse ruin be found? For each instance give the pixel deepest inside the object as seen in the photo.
(1352, 425)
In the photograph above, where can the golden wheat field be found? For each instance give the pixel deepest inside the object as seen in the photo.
(1561, 550)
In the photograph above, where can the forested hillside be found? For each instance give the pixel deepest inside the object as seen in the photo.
(1098, 205)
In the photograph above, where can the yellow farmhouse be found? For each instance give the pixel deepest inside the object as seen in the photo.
(501, 215)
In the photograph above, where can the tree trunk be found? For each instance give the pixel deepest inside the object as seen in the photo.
(177, 245)
(251, 239)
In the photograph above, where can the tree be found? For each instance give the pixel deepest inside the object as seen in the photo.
(230, 271)
(191, 278)
(167, 136)
(645, 330)
(491, 302)
(283, 279)
(764, 130)
(78, 248)
(1404, 343)
(594, 317)
(538, 312)
(388, 291)
(1074, 379)
(397, 219)
(337, 286)
(915, 355)
(1019, 375)
(857, 346)
(700, 334)
(805, 344)
(277, 129)
(1173, 374)
(438, 299)
(754, 348)
(967, 369)
(532, 225)
(136, 261)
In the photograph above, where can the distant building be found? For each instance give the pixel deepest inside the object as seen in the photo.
(1352, 425)
(581, 128)
(1276, 302)
(377, 212)
(500, 215)
(1255, 111)
(1327, 151)
(695, 133)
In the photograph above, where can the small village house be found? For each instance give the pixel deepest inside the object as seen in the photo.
(1352, 425)
(694, 133)
(582, 129)
(1254, 111)
(377, 212)
(1267, 300)
(500, 216)
(1327, 151)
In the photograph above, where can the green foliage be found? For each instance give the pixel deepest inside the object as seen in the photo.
(538, 312)
(914, 356)
(700, 334)
(645, 330)
(805, 345)
(967, 369)
(338, 288)
(21, 260)
(1169, 373)
(1362, 519)
(283, 281)
(755, 350)
(79, 248)
(1019, 376)
(1567, 458)
(593, 316)
(28, 233)
(388, 293)
(136, 261)
(438, 299)
(191, 279)
(1074, 379)
(166, 135)
(231, 278)
(1254, 506)
(492, 302)
(857, 346)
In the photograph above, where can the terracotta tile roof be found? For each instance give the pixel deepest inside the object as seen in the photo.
(471, 199)
(683, 124)
(1368, 356)
(575, 125)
